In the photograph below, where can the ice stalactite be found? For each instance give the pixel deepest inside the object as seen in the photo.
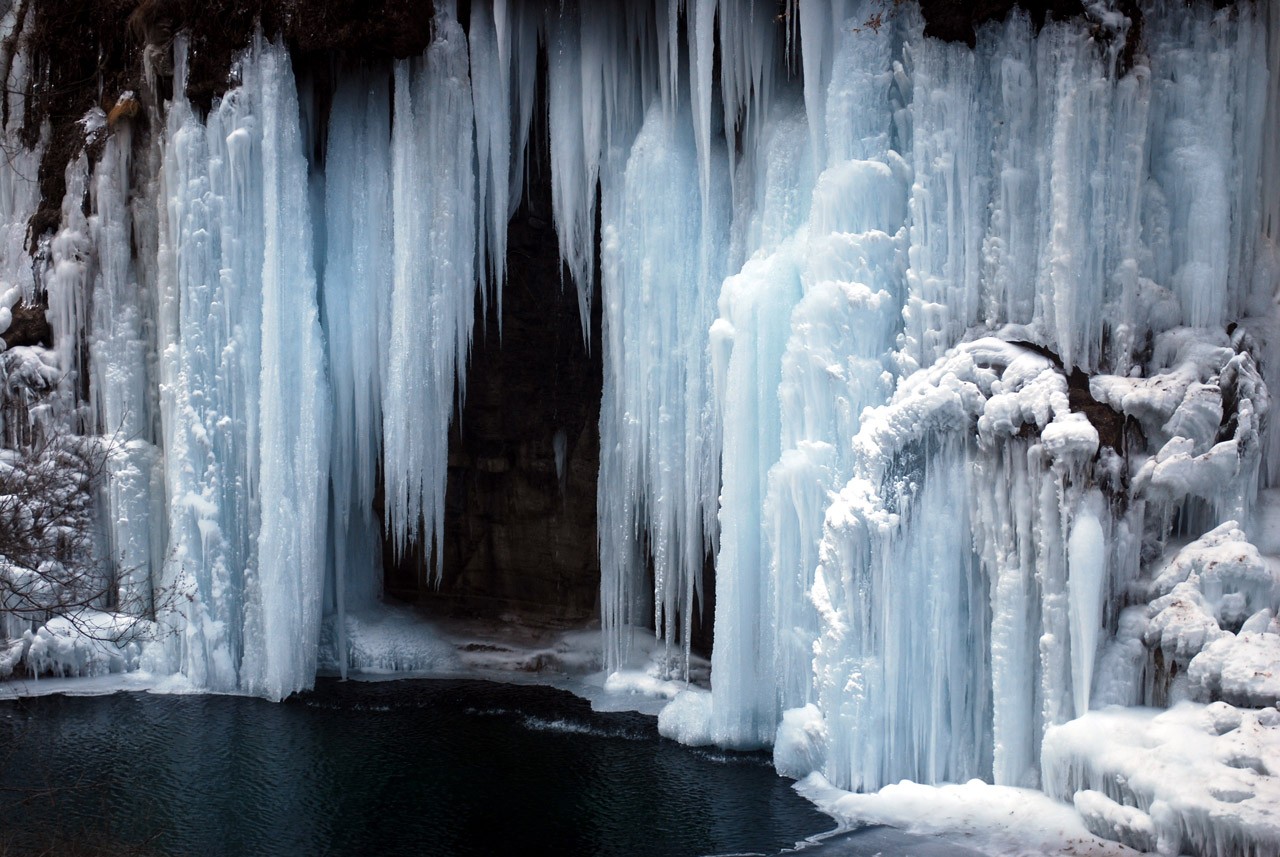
(357, 311)
(433, 201)
(657, 475)
(1086, 582)
(490, 53)
(575, 160)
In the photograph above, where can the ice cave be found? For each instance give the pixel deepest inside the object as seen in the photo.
(879, 384)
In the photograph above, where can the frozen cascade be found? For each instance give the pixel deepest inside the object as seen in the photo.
(951, 357)
(121, 383)
(282, 617)
(210, 442)
(976, 243)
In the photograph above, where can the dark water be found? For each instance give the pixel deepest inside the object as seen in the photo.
(406, 767)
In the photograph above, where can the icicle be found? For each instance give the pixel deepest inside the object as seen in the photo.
(432, 303)
(518, 28)
(701, 40)
(1087, 558)
(491, 94)
(357, 302)
(574, 166)
(822, 28)
(748, 46)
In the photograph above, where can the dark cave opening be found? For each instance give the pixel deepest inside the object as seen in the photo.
(520, 508)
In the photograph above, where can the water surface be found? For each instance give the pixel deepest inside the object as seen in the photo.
(407, 767)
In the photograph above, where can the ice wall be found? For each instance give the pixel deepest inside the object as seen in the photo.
(1045, 198)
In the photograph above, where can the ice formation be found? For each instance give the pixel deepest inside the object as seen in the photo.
(951, 358)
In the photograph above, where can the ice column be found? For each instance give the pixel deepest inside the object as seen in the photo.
(244, 402)
(282, 622)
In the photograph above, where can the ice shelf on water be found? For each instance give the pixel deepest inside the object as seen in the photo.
(951, 358)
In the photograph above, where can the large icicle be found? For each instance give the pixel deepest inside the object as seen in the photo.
(490, 51)
(357, 305)
(433, 299)
(657, 470)
(575, 161)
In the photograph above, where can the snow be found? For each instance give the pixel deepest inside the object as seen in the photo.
(990, 819)
(687, 719)
(1241, 669)
(1202, 774)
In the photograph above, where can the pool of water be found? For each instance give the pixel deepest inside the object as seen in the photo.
(406, 767)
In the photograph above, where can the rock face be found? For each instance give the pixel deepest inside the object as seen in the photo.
(520, 517)
(28, 326)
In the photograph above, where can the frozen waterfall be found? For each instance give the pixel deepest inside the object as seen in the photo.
(950, 359)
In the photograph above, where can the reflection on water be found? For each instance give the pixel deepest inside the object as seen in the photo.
(406, 767)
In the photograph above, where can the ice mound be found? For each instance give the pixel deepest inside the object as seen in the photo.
(85, 643)
(1204, 776)
(800, 747)
(687, 718)
(386, 640)
(1011, 822)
